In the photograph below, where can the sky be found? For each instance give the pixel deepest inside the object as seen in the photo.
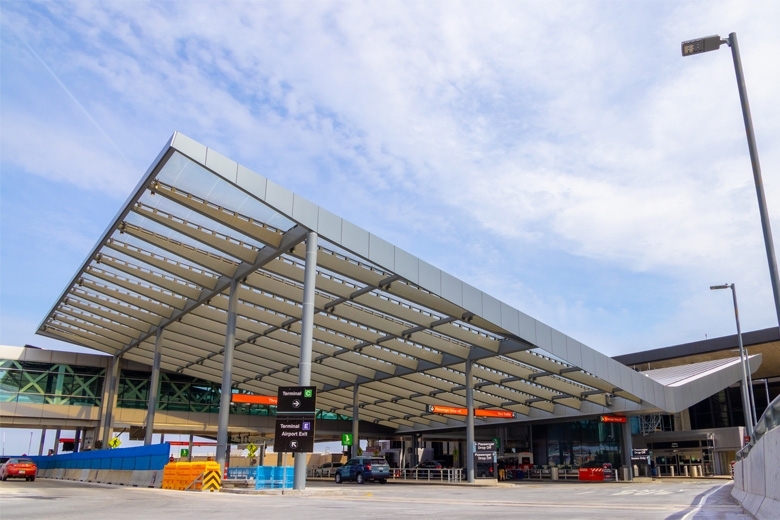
(561, 156)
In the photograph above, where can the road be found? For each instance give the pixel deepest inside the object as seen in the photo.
(671, 500)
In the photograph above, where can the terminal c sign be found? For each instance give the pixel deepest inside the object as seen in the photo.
(478, 412)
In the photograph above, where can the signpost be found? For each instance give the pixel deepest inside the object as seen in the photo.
(485, 459)
(295, 412)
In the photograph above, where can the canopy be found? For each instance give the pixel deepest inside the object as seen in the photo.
(385, 320)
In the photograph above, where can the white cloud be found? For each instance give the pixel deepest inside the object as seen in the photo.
(538, 134)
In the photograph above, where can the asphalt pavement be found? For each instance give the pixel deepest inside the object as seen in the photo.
(701, 499)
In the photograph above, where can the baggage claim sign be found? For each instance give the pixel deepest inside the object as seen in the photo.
(295, 411)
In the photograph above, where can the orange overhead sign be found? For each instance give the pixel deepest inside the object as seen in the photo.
(254, 399)
(479, 412)
(613, 418)
(503, 414)
(447, 410)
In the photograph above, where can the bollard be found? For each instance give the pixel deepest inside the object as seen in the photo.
(685, 471)
(694, 471)
(671, 470)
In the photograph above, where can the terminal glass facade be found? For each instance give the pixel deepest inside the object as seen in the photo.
(577, 443)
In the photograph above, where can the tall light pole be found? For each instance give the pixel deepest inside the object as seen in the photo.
(746, 408)
(711, 43)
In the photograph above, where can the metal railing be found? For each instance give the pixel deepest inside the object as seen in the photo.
(430, 474)
(769, 420)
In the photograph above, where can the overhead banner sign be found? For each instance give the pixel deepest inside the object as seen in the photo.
(478, 412)
(254, 399)
(613, 418)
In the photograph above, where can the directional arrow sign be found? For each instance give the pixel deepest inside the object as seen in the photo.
(296, 400)
(294, 435)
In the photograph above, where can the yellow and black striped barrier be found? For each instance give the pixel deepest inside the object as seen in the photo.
(212, 480)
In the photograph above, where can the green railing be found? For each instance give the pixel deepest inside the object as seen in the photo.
(60, 384)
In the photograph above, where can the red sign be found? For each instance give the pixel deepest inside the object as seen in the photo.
(747, 439)
(613, 418)
(254, 399)
(503, 414)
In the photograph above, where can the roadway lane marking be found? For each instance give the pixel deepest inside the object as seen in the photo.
(498, 503)
(643, 492)
(701, 502)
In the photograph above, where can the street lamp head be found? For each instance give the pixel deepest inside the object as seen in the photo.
(709, 43)
(724, 286)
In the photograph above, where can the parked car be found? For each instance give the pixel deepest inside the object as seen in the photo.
(327, 469)
(362, 469)
(18, 467)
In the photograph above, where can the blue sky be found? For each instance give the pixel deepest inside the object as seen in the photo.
(561, 156)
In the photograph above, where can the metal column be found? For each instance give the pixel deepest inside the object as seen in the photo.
(227, 378)
(57, 441)
(469, 422)
(628, 446)
(43, 438)
(108, 406)
(355, 420)
(307, 333)
(753, 150)
(154, 389)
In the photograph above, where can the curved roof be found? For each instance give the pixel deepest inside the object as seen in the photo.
(385, 320)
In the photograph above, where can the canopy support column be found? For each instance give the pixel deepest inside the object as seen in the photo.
(154, 389)
(627, 448)
(227, 378)
(43, 439)
(355, 420)
(469, 422)
(109, 396)
(57, 441)
(307, 333)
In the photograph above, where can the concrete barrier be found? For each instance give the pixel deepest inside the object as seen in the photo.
(757, 470)
(138, 466)
(149, 478)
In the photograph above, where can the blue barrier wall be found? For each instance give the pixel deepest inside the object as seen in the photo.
(274, 477)
(139, 458)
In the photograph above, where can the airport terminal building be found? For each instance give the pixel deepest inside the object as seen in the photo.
(215, 279)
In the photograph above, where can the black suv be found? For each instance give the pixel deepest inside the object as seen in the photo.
(361, 469)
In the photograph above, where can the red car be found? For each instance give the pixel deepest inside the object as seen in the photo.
(18, 467)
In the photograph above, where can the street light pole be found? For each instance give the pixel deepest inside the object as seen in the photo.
(746, 408)
(711, 43)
